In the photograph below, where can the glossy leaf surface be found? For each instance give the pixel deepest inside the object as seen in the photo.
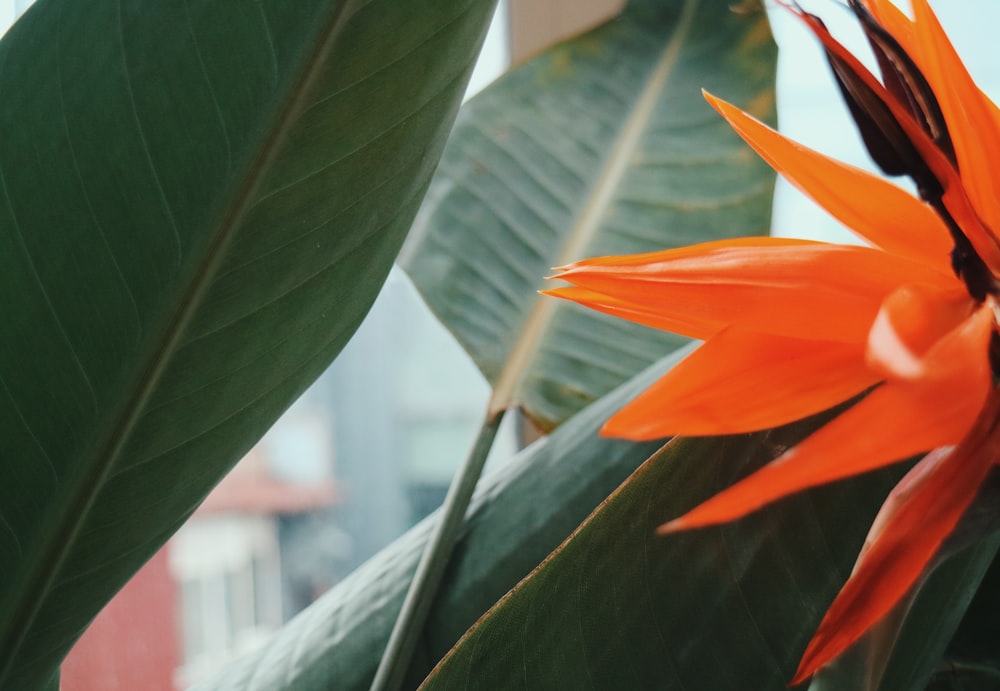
(971, 661)
(198, 203)
(729, 607)
(907, 650)
(721, 608)
(601, 145)
(519, 514)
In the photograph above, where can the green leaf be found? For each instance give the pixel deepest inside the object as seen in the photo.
(198, 203)
(971, 661)
(727, 607)
(519, 514)
(935, 615)
(904, 650)
(602, 145)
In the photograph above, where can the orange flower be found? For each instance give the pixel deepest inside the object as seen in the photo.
(795, 327)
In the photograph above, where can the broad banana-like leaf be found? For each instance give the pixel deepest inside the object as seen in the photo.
(601, 145)
(920, 650)
(519, 514)
(198, 203)
(971, 661)
(722, 608)
(906, 649)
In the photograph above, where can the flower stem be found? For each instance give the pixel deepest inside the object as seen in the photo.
(413, 615)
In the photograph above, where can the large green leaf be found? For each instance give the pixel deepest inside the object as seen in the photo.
(519, 515)
(602, 145)
(728, 607)
(935, 616)
(905, 649)
(198, 203)
(971, 661)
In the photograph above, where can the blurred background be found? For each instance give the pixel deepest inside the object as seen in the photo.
(369, 450)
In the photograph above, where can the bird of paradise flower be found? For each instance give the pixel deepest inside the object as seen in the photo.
(793, 327)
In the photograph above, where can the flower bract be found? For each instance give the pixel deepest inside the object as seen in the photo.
(907, 321)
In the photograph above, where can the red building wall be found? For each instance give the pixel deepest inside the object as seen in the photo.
(132, 643)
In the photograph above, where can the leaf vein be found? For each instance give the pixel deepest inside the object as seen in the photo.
(75, 161)
(208, 82)
(145, 142)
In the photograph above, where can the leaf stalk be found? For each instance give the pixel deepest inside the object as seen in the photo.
(427, 578)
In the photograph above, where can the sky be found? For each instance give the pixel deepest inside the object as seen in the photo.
(810, 109)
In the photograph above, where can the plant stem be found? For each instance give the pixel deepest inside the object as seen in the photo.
(412, 617)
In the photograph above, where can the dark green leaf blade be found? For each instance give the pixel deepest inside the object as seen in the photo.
(198, 204)
(519, 514)
(905, 649)
(601, 145)
(730, 607)
(972, 659)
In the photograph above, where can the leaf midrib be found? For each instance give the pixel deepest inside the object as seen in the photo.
(601, 194)
(36, 585)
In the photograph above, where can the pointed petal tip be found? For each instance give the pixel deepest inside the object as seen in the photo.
(675, 526)
(717, 103)
(562, 292)
(613, 429)
(822, 650)
(801, 676)
(815, 658)
(636, 434)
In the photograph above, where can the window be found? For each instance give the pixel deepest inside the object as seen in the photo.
(229, 573)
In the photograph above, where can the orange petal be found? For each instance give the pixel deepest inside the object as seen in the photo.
(955, 197)
(896, 23)
(901, 27)
(742, 381)
(962, 210)
(968, 113)
(916, 518)
(898, 420)
(875, 209)
(910, 322)
(693, 325)
(770, 285)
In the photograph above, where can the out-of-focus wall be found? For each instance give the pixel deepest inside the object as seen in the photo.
(535, 25)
